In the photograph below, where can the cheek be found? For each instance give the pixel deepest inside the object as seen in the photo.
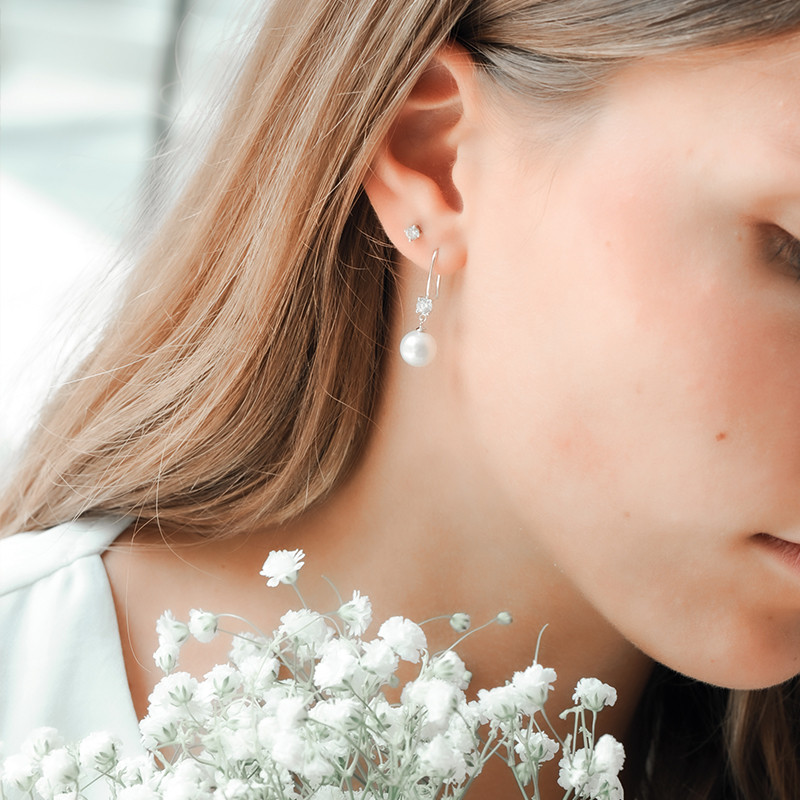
(645, 428)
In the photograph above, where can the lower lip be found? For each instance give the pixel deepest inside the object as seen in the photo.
(788, 552)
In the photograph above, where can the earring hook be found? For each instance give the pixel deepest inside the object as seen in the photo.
(434, 257)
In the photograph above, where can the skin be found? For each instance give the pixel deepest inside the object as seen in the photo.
(612, 415)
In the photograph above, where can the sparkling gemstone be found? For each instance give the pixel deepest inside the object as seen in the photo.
(424, 305)
(413, 233)
(418, 348)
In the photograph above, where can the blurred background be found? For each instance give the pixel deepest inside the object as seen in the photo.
(90, 91)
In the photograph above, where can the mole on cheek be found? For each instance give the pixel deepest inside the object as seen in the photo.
(721, 435)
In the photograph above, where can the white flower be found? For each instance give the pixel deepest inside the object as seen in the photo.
(99, 751)
(138, 793)
(405, 637)
(533, 685)
(59, 771)
(174, 694)
(158, 728)
(290, 712)
(339, 714)
(379, 659)
(534, 747)
(135, 770)
(329, 793)
(305, 627)
(282, 566)
(449, 667)
(338, 664)
(593, 694)
(202, 625)
(498, 705)
(166, 656)
(221, 683)
(440, 760)
(19, 772)
(504, 618)
(187, 782)
(609, 754)
(171, 630)
(288, 750)
(245, 645)
(258, 673)
(41, 741)
(357, 613)
(594, 775)
(437, 698)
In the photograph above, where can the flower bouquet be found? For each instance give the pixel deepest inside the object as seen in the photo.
(303, 713)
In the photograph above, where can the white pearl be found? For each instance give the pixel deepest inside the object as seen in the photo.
(418, 348)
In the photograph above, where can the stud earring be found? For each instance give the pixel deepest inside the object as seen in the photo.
(412, 233)
(417, 347)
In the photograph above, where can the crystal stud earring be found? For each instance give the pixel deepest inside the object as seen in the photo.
(412, 233)
(417, 347)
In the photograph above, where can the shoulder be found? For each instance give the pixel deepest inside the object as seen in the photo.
(27, 558)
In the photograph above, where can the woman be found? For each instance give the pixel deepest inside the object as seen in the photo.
(607, 197)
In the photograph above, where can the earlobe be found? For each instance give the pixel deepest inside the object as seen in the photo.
(411, 178)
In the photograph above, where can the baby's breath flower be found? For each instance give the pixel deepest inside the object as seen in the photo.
(533, 685)
(221, 683)
(305, 627)
(60, 771)
(157, 729)
(339, 714)
(99, 751)
(405, 637)
(438, 700)
(499, 705)
(338, 664)
(166, 657)
(460, 622)
(592, 694)
(174, 695)
(440, 760)
(504, 618)
(135, 770)
(171, 630)
(19, 772)
(534, 746)
(41, 741)
(186, 782)
(138, 792)
(449, 667)
(356, 613)
(202, 625)
(609, 754)
(379, 659)
(282, 566)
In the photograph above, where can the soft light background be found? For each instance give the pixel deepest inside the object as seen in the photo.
(87, 87)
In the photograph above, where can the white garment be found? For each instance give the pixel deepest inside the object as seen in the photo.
(61, 658)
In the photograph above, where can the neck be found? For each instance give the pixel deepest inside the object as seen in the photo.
(423, 529)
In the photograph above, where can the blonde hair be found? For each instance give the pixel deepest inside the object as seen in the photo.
(235, 386)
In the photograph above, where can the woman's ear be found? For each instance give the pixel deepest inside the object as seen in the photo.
(411, 180)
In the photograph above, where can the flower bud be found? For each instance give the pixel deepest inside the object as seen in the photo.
(460, 622)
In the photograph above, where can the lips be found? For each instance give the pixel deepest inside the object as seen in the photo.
(787, 551)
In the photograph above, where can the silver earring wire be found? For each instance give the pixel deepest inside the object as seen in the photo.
(418, 347)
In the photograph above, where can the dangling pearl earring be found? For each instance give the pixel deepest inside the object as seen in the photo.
(417, 347)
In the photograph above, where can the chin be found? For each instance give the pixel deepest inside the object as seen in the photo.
(744, 673)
